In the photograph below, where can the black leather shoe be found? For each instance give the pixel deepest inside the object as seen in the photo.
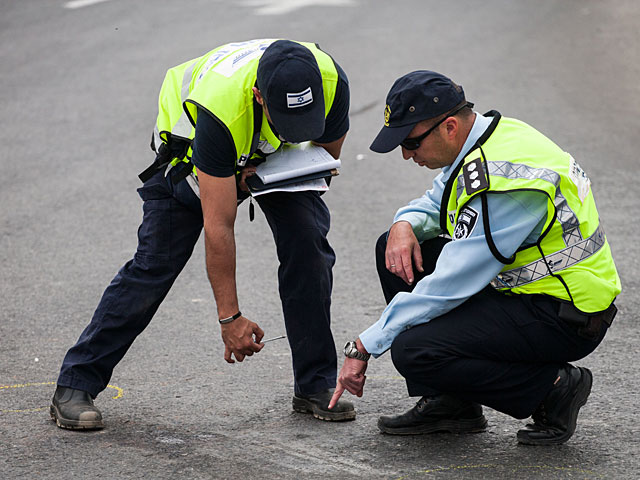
(441, 413)
(318, 405)
(74, 409)
(554, 421)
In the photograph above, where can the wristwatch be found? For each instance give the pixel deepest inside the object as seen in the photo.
(351, 351)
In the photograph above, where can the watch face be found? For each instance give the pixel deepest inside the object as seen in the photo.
(348, 348)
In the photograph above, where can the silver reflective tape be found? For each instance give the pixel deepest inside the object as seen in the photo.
(557, 261)
(192, 180)
(566, 216)
(570, 225)
(157, 140)
(519, 170)
(186, 81)
(183, 126)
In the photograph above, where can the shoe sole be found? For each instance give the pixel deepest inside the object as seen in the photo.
(579, 400)
(301, 405)
(472, 425)
(69, 424)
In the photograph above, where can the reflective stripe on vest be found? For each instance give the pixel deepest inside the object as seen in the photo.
(566, 216)
(555, 262)
(183, 126)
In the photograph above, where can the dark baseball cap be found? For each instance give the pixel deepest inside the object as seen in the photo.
(290, 82)
(416, 96)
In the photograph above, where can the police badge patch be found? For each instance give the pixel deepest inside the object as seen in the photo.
(466, 223)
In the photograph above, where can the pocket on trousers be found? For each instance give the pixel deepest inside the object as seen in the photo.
(154, 190)
(154, 234)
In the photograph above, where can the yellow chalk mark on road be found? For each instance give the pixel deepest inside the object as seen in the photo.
(514, 468)
(117, 389)
(119, 393)
(22, 385)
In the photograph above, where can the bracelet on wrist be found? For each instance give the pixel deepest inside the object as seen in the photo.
(229, 319)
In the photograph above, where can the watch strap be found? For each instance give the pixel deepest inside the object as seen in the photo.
(229, 319)
(351, 351)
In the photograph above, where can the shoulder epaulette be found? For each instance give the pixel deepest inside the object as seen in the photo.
(475, 176)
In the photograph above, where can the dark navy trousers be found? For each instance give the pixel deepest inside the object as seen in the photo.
(502, 351)
(171, 225)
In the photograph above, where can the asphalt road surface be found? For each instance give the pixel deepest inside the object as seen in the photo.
(78, 94)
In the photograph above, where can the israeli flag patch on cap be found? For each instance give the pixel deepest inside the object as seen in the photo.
(295, 100)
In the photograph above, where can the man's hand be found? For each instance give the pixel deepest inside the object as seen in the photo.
(238, 338)
(402, 248)
(246, 172)
(351, 378)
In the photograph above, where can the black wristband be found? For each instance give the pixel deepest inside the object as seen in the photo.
(230, 319)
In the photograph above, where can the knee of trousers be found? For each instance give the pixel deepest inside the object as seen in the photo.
(381, 247)
(307, 246)
(399, 354)
(409, 358)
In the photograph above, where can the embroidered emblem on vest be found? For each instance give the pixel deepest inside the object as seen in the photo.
(475, 177)
(466, 223)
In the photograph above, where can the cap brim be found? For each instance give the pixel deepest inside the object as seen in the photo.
(389, 138)
(299, 126)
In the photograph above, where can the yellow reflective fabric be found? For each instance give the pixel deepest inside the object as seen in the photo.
(572, 260)
(220, 82)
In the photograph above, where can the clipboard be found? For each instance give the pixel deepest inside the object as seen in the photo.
(255, 184)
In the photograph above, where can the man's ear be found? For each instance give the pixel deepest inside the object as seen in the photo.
(452, 125)
(258, 95)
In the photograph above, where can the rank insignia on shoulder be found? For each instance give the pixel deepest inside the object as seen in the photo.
(475, 176)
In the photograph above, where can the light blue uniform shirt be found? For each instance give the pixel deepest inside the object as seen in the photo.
(465, 266)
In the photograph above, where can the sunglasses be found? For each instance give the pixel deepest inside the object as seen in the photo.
(413, 143)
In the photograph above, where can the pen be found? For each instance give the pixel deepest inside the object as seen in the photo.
(272, 339)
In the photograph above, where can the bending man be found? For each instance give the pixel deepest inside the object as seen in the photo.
(219, 113)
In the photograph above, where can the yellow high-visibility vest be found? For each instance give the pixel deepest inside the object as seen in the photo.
(572, 260)
(220, 83)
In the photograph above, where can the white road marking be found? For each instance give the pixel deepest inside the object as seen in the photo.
(281, 7)
(82, 3)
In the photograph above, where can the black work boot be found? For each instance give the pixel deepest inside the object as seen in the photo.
(318, 405)
(440, 413)
(554, 421)
(74, 409)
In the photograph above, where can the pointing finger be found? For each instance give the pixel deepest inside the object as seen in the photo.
(336, 396)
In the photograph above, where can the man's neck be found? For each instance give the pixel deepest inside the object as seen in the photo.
(465, 129)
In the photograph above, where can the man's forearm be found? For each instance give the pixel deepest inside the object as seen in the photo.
(220, 249)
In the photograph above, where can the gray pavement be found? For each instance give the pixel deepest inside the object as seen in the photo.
(78, 93)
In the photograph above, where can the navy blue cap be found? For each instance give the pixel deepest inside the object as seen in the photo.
(290, 82)
(415, 97)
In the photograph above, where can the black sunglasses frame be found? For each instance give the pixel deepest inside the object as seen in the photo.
(414, 142)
